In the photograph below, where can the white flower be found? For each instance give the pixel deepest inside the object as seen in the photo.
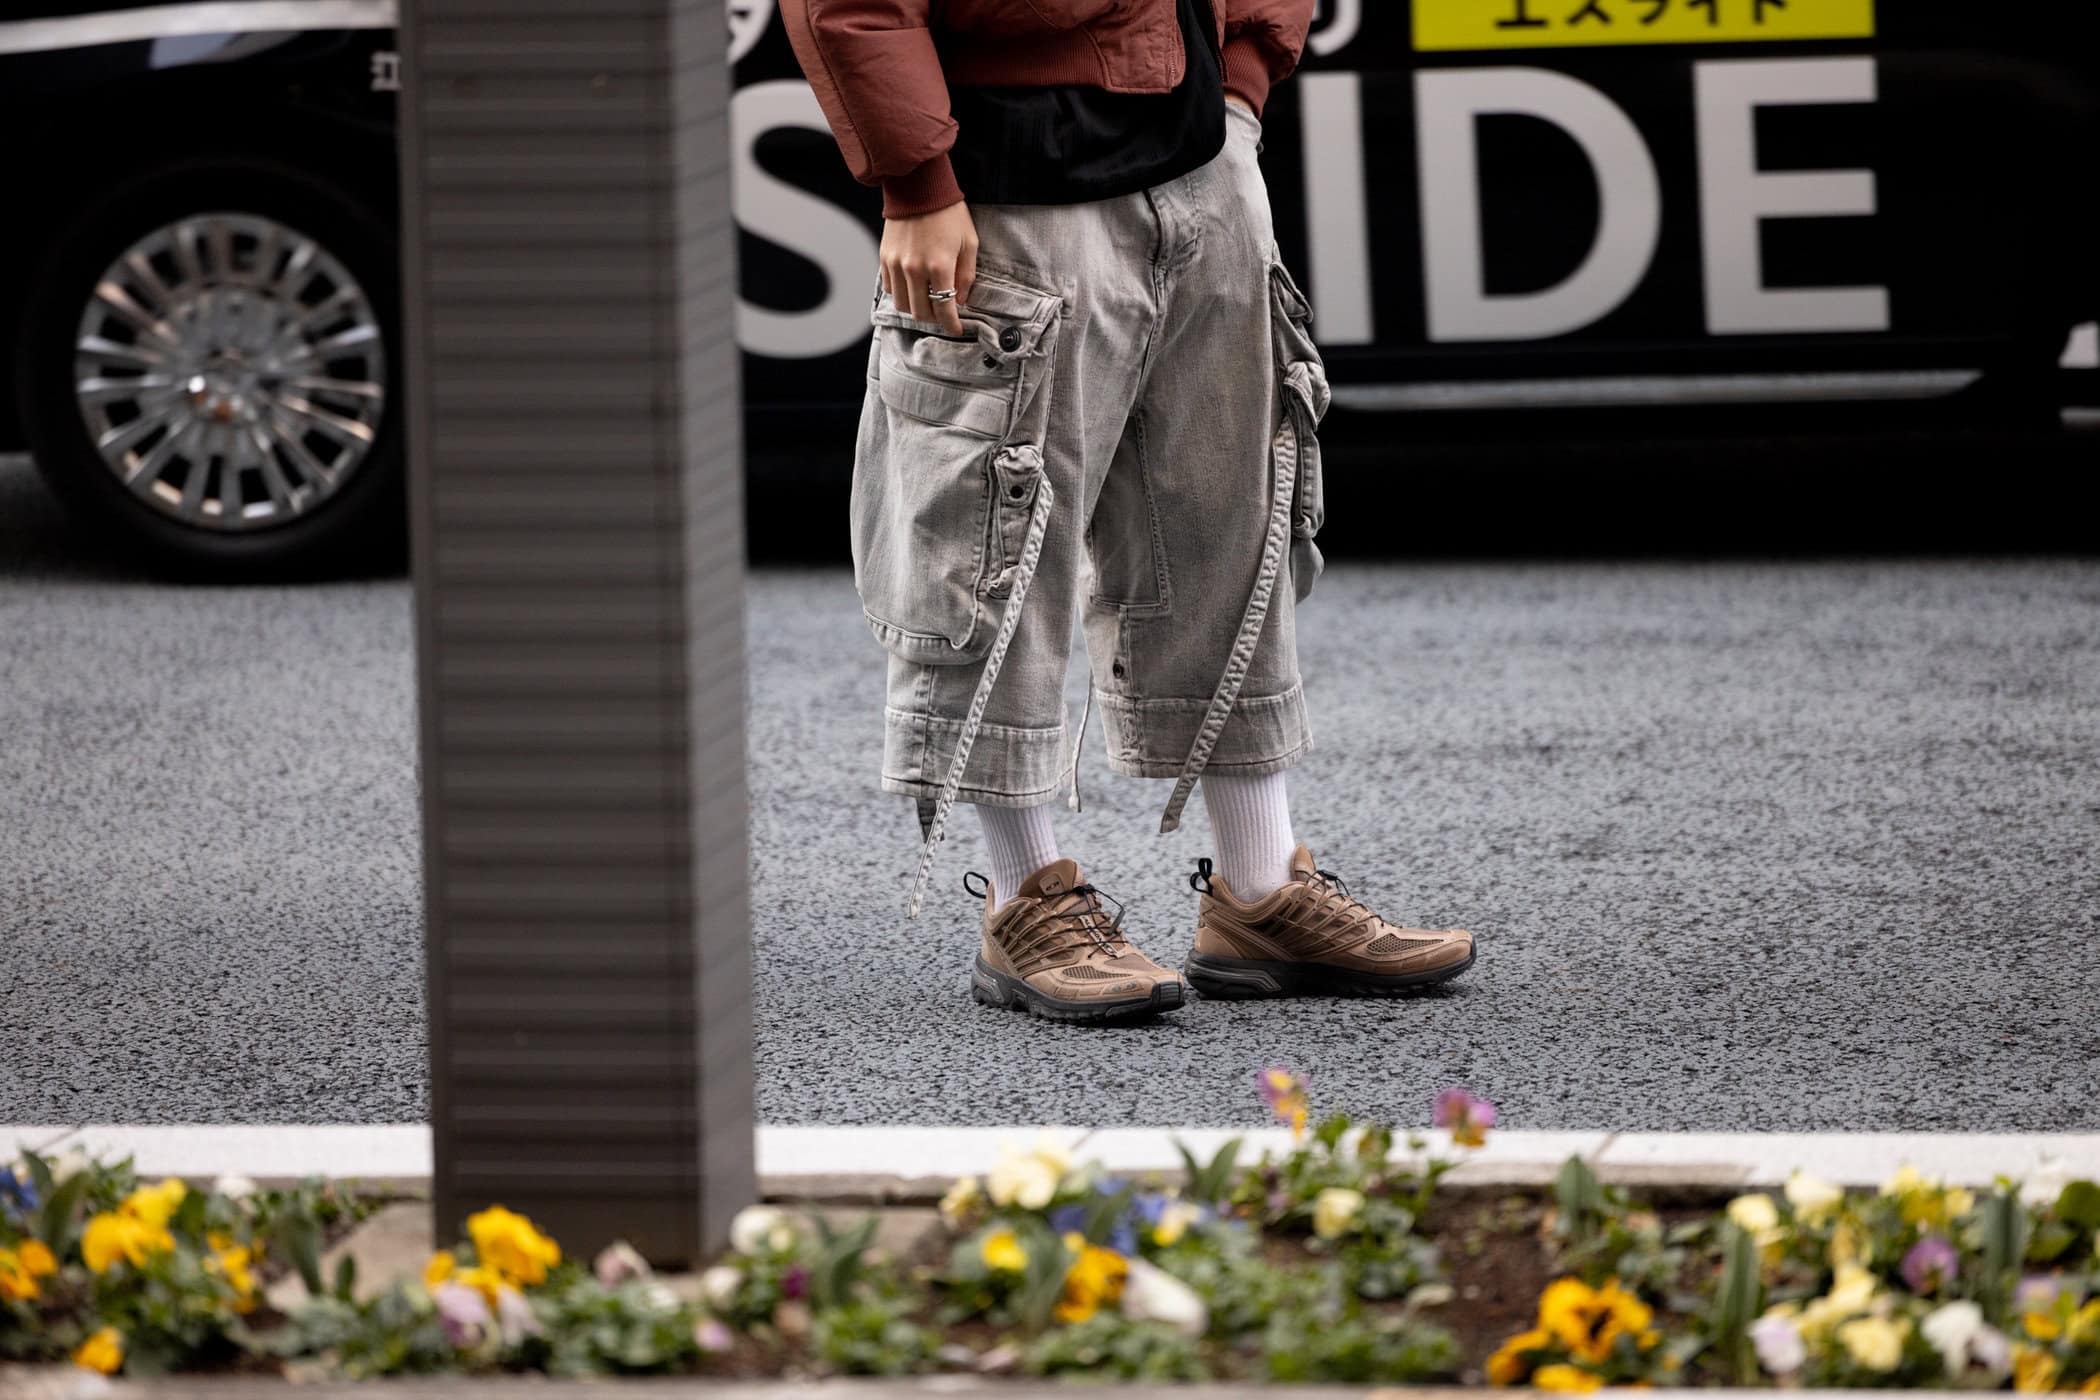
(234, 1187)
(711, 1336)
(1812, 1198)
(1335, 1211)
(657, 1297)
(515, 1318)
(1756, 1215)
(961, 1201)
(2047, 1182)
(1029, 1179)
(1175, 1220)
(719, 1285)
(1779, 1347)
(761, 1229)
(69, 1164)
(1151, 1294)
(1959, 1334)
(618, 1262)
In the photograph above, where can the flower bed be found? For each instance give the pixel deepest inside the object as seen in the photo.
(1340, 1260)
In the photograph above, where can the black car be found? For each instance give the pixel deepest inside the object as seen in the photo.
(1496, 205)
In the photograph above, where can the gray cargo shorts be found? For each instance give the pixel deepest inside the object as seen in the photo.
(1126, 426)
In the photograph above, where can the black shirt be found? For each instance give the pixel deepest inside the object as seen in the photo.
(1068, 144)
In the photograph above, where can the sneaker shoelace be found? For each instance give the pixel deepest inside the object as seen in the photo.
(1335, 897)
(1076, 910)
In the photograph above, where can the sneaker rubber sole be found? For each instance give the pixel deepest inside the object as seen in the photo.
(1220, 978)
(995, 988)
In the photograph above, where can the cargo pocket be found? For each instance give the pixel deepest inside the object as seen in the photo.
(1303, 392)
(947, 467)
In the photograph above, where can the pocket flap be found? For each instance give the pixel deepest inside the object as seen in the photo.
(1006, 318)
(980, 411)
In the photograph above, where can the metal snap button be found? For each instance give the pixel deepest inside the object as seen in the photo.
(1017, 491)
(1116, 670)
(991, 362)
(1009, 339)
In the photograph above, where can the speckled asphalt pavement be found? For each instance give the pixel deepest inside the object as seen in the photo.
(1792, 846)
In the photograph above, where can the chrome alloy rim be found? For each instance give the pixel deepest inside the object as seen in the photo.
(231, 371)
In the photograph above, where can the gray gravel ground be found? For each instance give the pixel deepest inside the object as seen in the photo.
(1747, 846)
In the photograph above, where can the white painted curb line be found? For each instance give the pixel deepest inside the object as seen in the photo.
(398, 1151)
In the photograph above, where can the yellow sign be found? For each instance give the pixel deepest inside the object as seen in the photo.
(1535, 24)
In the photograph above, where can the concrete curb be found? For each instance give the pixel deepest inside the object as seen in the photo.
(900, 1165)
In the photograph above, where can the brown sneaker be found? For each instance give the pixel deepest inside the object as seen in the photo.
(1052, 949)
(1310, 938)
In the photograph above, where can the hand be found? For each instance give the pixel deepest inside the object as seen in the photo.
(930, 251)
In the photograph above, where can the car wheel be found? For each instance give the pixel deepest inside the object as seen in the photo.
(210, 367)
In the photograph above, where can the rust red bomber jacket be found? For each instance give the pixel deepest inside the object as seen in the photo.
(881, 68)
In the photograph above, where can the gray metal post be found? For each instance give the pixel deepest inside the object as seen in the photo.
(578, 552)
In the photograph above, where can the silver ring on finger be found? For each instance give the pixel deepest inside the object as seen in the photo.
(947, 294)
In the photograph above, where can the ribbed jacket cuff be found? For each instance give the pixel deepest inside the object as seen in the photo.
(1247, 72)
(921, 190)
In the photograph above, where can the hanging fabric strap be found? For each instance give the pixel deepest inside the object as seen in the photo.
(1024, 574)
(1283, 466)
(1086, 711)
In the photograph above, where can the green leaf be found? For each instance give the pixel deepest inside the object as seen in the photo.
(298, 1242)
(1216, 1179)
(56, 1225)
(1736, 1302)
(346, 1278)
(39, 1172)
(2004, 1247)
(2050, 1240)
(2079, 1204)
(1580, 1197)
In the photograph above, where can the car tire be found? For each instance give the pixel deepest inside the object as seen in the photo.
(304, 521)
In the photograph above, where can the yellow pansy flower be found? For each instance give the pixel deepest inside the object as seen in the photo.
(1848, 1243)
(2033, 1369)
(1094, 1281)
(2085, 1324)
(233, 1262)
(485, 1281)
(1003, 1252)
(441, 1267)
(22, 1266)
(1561, 1376)
(104, 1351)
(512, 1245)
(1874, 1342)
(1588, 1321)
(1507, 1365)
(110, 1237)
(156, 1204)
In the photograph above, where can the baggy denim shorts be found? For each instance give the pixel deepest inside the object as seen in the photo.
(1126, 426)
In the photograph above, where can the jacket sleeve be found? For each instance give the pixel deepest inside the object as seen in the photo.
(1263, 39)
(876, 74)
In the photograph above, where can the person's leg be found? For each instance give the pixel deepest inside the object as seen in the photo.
(1250, 822)
(976, 710)
(1019, 841)
(1210, 688)
(1191, 624)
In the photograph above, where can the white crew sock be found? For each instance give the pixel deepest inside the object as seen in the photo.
(1250, 818)
(1020, 841)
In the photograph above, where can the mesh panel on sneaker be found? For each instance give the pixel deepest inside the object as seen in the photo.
(1394, 943)
(1087, 972)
